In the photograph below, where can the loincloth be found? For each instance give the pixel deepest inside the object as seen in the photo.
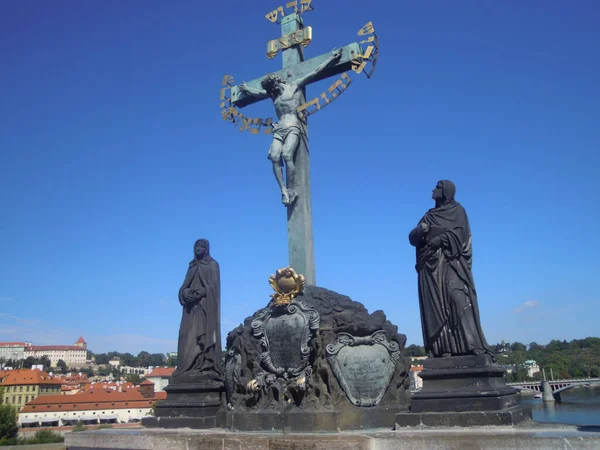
(281, 134)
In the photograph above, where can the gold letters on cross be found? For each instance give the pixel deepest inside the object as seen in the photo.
(302, 37)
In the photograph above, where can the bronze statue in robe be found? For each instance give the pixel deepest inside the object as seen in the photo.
(447, 296)
(199, 346)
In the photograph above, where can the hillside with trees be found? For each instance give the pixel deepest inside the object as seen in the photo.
(579, 358)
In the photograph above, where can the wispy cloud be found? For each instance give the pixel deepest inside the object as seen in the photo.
(36, 331)
(529, 304)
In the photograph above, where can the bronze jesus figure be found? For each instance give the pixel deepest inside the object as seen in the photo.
(287, 97)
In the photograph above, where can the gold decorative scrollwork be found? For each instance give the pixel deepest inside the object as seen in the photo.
(287, 284)
(232, 114)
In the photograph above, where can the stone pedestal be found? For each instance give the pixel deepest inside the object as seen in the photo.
(294, 420)
(188, 405)
(472, 386)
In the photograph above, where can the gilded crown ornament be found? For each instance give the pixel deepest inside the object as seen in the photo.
(287, 284)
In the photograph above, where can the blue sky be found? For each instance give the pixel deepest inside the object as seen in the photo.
(114, 159)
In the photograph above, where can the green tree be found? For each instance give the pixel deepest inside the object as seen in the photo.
(8, 419)
(127, 359)
(45, 361)
(518, 347)
(28, 362)
(143, 359)
(171, 362)
(133, 378)
(157, 359)
(62, 366)
(104, 371)
(101, 358)
(414, 350)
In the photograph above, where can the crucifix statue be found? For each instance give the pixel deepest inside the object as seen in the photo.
(286, 88)
(287, 133)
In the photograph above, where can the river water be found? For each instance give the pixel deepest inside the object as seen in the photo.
(578, 407)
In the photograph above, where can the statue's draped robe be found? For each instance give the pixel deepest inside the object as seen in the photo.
(199, 347)
(447, 296)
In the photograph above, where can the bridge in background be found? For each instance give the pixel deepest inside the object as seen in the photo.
(551, 389)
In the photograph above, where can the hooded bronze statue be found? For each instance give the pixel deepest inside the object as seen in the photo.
(447, 296)
(199, 347)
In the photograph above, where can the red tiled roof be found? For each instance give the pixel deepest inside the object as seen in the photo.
(81, 340)
(146, 383)
(47, 348)
(13, 344)
(28, 377)
(416, 368)
(89, 401)
(161, 372)
(73, 379)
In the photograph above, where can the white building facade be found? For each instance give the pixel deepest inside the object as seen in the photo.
(74, 356)
(12, 350)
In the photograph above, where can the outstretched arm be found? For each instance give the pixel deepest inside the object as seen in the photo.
(250, 91)
(336, 54)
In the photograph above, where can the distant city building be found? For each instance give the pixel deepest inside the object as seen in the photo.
(12, 350)
(160, 377)
(73, 355)
(142, 371)
(90, 407)
(108, 386)
(22, 386)
(532, 367)
(416, 382)
(115, 362)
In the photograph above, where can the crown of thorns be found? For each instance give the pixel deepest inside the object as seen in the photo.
(269, 81)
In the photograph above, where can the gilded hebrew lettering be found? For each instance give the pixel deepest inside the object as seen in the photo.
(274, 15)
(305, 5)
(367, 29)
(358, 68)
(314, 101)
(293, 4)
(367, 41)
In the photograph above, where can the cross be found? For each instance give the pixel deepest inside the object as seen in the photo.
(296, 70)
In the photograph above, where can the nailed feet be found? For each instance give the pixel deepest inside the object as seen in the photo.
(288, 197)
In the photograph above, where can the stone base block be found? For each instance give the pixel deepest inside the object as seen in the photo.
(461, 384)
(188, 405)
(297, 420)
(506, 417)
(534, 437)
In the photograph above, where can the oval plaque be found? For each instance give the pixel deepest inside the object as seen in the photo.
(363, 366)
(284, 332)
